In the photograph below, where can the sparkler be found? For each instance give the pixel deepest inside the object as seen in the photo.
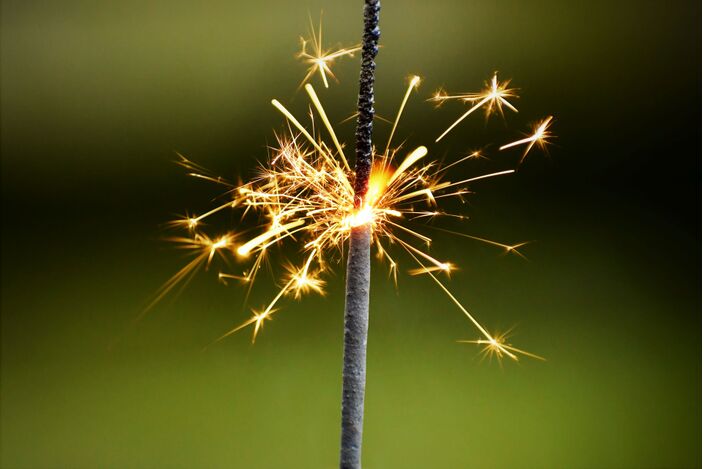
(305, 196)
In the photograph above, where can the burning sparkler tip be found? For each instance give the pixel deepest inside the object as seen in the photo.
(304, 193)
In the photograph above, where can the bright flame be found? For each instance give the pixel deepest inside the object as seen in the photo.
(378, 180)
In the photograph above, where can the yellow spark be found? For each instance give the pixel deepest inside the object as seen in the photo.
(320, 59)
(492, 98)
(272, 233)
(478, 178)
(442, 267)
(324, 117)
(306, 281)
(192, 222)
(258, 318)
(205, 249)
(413, 83)
(199, 172)
(540, 137)
(481, 328)
(508, 248)
(410, 160)
(497, 347)
(222, 276)
(475, 155)
(297, 124)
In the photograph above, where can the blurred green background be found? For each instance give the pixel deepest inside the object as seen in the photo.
(97, 96)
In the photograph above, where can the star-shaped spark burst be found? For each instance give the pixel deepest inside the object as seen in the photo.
(498, 348)
(320, 59)
(540, 137)
(493, 98)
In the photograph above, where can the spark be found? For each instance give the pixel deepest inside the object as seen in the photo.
(475, 155)
(258, 318)
(204, 248)
(494, 341)
(319, 59)
(508, 248)
(305, 281)
(497, 347)
(540, 137)
(493, 98)
(274, 232)
(303, 196)
(223, 277)
(324, 117)
(413, 83)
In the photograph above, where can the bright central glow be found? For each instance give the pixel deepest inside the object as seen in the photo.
(363, 216)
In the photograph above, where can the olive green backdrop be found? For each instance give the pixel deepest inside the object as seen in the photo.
(97, 97)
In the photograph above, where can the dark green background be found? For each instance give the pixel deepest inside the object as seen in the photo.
(96, 97)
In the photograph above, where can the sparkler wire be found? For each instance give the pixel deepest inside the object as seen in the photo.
(358, 262)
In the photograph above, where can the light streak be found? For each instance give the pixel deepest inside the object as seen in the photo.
(320, 59)
(415, 80)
